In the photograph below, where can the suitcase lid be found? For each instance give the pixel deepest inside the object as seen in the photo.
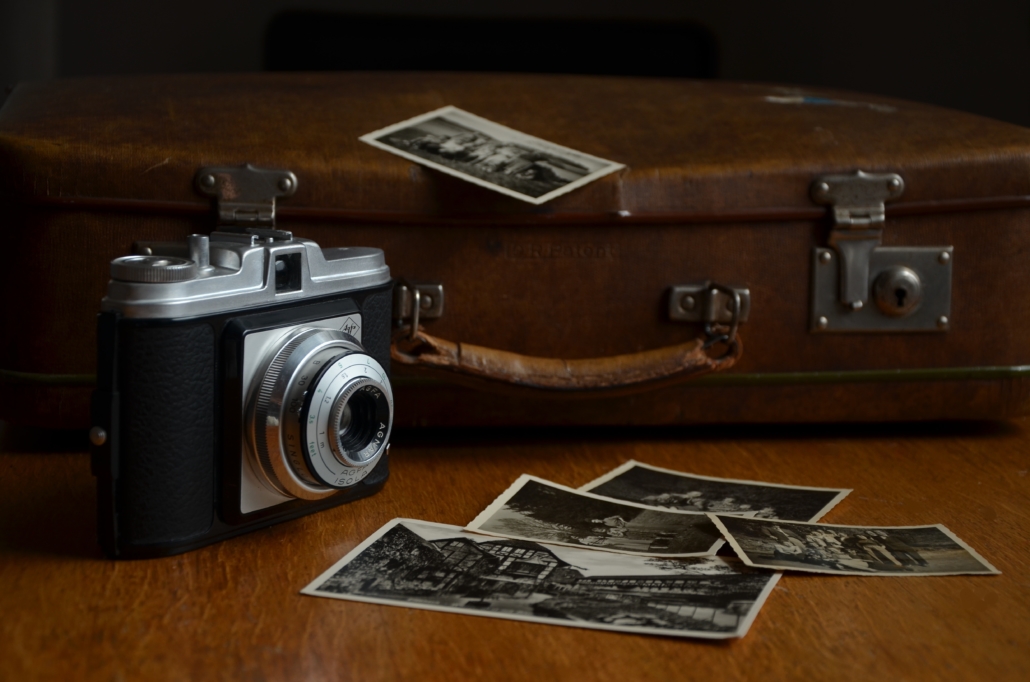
(693, 150)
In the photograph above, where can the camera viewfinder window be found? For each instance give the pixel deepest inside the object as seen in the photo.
(287, 272)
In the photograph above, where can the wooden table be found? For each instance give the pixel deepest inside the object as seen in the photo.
(232, 611)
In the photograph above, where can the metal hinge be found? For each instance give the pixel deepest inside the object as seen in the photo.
(416, 301)
(858, 217)
(244, 195)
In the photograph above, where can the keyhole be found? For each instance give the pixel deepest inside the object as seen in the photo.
(898, 291)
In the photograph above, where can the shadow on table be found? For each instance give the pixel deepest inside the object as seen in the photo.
(48, 504)
(55, 519)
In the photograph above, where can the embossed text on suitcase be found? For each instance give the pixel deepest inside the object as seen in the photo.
(767, 254)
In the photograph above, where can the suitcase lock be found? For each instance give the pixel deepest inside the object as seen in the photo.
(910, 286)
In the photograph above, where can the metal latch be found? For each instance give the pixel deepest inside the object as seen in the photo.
(858, 217)
(715, 305)
(244, 195)
(416, 301)
(910, 286)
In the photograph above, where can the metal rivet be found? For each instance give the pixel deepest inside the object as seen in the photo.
(822, 188)
(97, 436)
(856, 305)
(944, 258)
(822, 323)
(208, 181)
(894, 184)
(942, 321)
(825, 257)
(688, 302)
(285, 184)
(425, 302)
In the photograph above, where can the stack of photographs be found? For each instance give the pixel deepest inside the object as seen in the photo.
(633, 551)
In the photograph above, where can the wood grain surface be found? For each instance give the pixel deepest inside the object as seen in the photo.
(232, 611)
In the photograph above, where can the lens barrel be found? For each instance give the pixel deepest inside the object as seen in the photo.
(320, 416)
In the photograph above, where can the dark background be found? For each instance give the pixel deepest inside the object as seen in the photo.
(967, 55)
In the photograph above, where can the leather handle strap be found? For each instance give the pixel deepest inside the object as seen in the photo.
(555, 374)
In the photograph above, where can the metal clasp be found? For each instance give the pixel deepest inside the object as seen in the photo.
(244, 195)
(910, 285)
(416, 301)
(858, 217)
(721, 308)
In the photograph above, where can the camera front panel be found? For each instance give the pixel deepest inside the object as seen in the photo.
(248, 340)
(177, 481)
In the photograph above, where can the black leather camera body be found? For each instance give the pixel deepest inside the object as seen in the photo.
(243, 380)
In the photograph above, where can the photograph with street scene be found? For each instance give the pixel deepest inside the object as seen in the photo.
(416, 564)
(535, 509)
(656, 487)
(490, 155)
(851, 550)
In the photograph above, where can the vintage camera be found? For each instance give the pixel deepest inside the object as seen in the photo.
(243, 380)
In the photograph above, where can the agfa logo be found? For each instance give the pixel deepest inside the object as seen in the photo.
(350, 326)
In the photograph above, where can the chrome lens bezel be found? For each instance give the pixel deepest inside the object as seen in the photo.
(288, 417)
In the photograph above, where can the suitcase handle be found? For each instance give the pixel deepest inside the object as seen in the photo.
(634, 370)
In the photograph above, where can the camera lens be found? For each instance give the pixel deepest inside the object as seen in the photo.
(357, 421)
(321, 414)
(356, 425)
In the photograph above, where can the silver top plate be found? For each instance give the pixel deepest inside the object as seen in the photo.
(242, 274)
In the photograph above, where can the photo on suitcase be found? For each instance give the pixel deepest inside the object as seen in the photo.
(490, 155)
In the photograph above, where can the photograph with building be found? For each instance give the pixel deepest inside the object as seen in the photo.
(417, 564)
(657, 487)
(491, 155)
(542, 511)
(851, 550)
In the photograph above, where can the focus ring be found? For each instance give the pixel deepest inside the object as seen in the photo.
(264, 399)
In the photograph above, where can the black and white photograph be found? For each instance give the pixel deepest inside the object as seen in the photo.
(535, 509)
(851, 550)
(656, 487)
(423, 565)
(491, 155)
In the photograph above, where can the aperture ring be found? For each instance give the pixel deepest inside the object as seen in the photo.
(320, 420)
(370, 416)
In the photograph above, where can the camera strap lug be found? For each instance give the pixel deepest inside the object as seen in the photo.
(415, 301)
(245, 196)
(721, 308)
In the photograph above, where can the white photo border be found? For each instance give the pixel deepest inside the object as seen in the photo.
(626, 466)
(312, 590)
(514, 488)
(523, 138)
(878, 574)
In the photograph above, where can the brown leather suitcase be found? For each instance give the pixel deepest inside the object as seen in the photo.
(864, 254)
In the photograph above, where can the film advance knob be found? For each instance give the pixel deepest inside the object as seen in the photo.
(156, 269)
